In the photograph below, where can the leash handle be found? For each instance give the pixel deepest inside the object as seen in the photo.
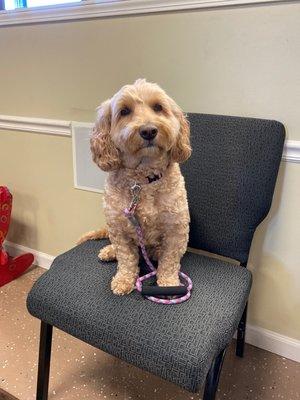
(164, 291)
(175, 300)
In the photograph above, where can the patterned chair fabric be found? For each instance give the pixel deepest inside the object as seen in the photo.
(230, 180)
(175, 342)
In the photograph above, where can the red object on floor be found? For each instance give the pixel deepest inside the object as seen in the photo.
(10, 267)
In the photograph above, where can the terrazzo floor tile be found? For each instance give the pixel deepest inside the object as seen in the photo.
(78, 371)
(6, 396)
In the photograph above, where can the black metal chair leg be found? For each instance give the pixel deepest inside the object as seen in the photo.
(241, 332)
(213, 376)
(44, 361)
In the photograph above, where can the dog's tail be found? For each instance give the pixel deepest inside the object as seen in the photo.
(94, 235)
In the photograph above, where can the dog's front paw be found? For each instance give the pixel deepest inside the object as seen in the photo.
(168, 280)
(123, 284)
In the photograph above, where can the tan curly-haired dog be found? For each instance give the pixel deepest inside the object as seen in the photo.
(140, 136)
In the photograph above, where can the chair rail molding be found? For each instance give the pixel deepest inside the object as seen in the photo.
(109, 8)
(35, 125)
(291, 152)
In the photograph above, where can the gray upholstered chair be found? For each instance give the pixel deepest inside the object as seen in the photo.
(230, 180)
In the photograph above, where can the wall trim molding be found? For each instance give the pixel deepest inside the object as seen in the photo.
(41, 259)
(109, 8)
(274, 342)
(35, 125)
(291, 152)
(263, 338)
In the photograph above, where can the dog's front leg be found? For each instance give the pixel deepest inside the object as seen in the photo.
(128, 267)
(172, 249)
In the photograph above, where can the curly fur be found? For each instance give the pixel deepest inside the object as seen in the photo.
(163, 213)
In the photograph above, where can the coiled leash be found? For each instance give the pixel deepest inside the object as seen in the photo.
(179, 293)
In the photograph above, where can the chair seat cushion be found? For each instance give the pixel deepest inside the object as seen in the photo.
(175, 342)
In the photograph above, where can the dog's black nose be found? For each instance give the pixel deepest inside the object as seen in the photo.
(148, 132)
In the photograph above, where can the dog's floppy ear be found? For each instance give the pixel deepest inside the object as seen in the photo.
(181, 150)
(105, 154)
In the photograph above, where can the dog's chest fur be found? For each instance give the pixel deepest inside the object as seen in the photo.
(162, 206)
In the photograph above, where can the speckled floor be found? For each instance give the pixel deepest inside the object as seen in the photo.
(6, 396)
(78, 371)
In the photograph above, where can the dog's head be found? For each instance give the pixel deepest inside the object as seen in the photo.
(139, 121)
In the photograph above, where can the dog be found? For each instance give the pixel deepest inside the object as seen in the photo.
(140, 137)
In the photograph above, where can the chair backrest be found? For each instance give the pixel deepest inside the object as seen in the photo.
(230, 180)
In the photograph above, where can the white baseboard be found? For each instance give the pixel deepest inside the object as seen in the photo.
(41, 259)
(263, 338)
(273, 342)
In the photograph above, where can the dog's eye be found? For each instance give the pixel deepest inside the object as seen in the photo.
(125, 111)
(157, 107)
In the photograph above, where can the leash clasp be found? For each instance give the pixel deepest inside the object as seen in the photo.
(135, 191)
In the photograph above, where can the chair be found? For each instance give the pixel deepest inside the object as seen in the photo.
(230, 180)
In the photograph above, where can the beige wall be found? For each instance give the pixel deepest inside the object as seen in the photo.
(241, 61)
(275, 259)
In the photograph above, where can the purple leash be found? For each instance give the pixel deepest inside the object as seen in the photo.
(130, 214)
